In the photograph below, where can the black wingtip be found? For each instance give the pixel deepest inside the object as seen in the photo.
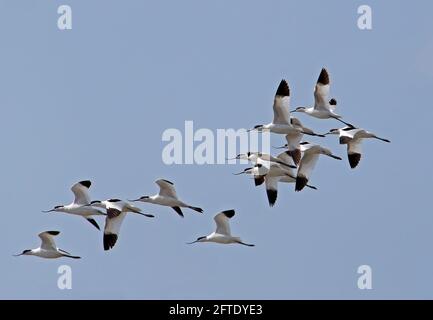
(86, 183)
(94, 223)
(354, 159)
(178, 210)
(53, 233)
(301, 182)
(272, 196)
(283, 89)
(229, 213)
(109, 241)
(259, 180)
(200, 210)
(345, 140)
(169, 182)
(323, 77)
(296, 155)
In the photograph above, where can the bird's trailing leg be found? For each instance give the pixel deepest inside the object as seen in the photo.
(246, 244)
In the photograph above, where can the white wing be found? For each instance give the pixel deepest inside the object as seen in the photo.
(271, 182)
(293, 140)
(362, 134)
(278, 170)
(166, 188)
(321, 91)
(268, 158)
(113, 223)
(47, 238)
(308, 163)
(282, 104)
(81, 192)
(222, 222)
(286, 159)
(354, 146)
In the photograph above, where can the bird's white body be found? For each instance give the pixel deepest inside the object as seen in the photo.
(264, 159)
(320, 114)
(294, 139)
(222, 234)
(311, 153)
(48, 248)
(323, 107)
(116, 213)
(167, 196)
(280, 123)
(222, 238)
(353, 137)
(80, 210)
(167, 201)
(80, 205)
(47, 254)
(280, 128)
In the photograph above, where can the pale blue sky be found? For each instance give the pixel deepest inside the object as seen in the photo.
(92, 103)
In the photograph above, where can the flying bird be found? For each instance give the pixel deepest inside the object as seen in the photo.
(167, 197)
(272, 175)
(353, 138)
(323, 108)
(259, 171)
(48, 248)
(222, 234)
(281, 122)
(311, 153)
(116, 212)
(80, 204)
(262, 158)
(294, 139)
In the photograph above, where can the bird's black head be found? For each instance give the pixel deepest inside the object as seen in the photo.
(201, 238)
(58, 207)
(95, 202)
(26, 251)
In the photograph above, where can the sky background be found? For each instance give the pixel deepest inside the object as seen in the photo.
(93, 102)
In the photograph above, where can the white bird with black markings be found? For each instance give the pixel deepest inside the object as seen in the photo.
(80, 206)
(262, 158)
(281, 122)
(259, 171)
(222, 234)
(294, 139)
(48, 248)
(272, 175)
(323, 107)
(167, 196)
(116, 212)
(311, 153)
(353, 138)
